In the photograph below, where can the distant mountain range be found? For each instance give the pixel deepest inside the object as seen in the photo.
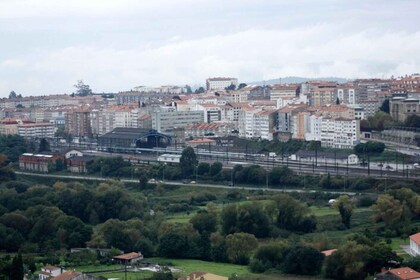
(292, 80)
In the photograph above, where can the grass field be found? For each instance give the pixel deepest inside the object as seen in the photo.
(224, 269)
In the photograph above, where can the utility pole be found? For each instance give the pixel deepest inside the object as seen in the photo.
(266, 178)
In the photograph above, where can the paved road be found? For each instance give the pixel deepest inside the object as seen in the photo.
(174, 183)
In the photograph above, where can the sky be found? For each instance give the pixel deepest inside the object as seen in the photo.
(114, 45)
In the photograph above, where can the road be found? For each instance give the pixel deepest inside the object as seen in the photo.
(174, 183)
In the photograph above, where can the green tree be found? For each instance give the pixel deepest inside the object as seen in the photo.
(200, 90)
(59, 165)
(268, 256)
(385, 106)
(215, 168)
(204, 221)
(231, 87)
(412, 121)
(44, 146)
(344, 205)
(252, 219)
(242, 85)
(203, 168)
(293, 215)
(229, 219)
(188, 162)
(348, 262)
(218, 247)
(82, 89)
(303, 260)
(16, 272)
(281, 176)
(188, 88)
(12, 95)
(389, 210)
(239, 247)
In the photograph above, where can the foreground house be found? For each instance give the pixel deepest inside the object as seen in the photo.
(49, 271)
(70, 275)
(415, 244)
(403, 273)
(129, 258)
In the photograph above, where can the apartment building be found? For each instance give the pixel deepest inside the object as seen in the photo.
(9, 126)
(340, 133)
(407, 84)
(78, 123)
(284, 91)
(314, 128)
(371, 89)
(370, 107)
(265, 124)
(285, 115)
(319, 93)
(300, 125)
(220, 83)
(212, 113)
(255, 92)
(334, 111)
(36, 130)
(235, 96)
(346, 94)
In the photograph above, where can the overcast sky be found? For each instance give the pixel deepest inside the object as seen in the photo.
(114, 45)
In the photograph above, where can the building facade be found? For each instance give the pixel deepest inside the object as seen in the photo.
(220, 83)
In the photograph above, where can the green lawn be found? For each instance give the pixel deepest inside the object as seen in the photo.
(130, 275)
(324, 211)
(224, 269)
(188, 266)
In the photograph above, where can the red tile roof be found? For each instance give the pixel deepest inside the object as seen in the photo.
(68, 275)
(405, 273)
(328, 252)
(415, 237)
(129, 256)
(50, 267)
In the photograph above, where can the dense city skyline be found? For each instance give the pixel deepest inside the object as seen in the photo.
(117, 45)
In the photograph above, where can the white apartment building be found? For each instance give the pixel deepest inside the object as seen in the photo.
(314, 128)
(36, 130)
(264, 124)
(126, 117)
(257, 123)
(340, 133)
(106, 119)
(220, 83)
(246, 122)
